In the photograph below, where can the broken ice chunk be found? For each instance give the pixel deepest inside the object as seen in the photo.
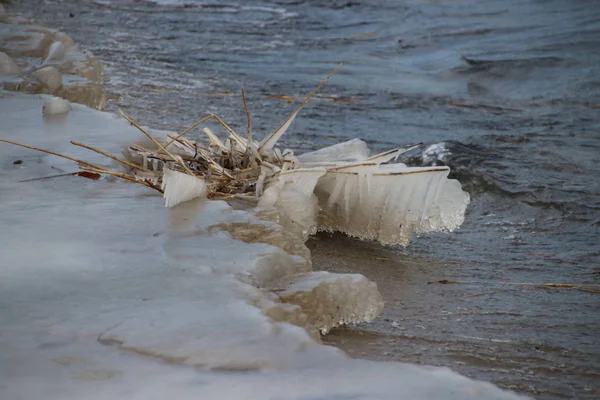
(291, 193)
(179, 187)
(331, 300)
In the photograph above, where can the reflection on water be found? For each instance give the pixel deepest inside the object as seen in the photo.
(508, 90)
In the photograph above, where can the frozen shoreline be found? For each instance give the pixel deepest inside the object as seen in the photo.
(104, 288)
(102, 285)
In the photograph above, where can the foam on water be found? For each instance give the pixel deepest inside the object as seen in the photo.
(104, 293)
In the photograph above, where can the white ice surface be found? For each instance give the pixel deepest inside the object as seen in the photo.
(105, 294)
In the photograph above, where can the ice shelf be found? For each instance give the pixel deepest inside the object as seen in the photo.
(107, 294)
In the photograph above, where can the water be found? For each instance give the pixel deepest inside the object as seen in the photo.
(516, 119)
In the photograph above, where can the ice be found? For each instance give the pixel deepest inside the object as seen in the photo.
(376, 198)
(107, 294)
(389, 203)
(352, 150)
(179, 187)
(291, 194)
(331, 300)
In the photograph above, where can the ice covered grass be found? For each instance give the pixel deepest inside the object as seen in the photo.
(105, 293)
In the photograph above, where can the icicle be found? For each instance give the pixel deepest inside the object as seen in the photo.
(291, 193)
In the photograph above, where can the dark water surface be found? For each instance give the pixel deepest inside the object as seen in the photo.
(505, 92)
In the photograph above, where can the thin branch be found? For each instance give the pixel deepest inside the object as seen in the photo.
(123, 176)
(248, 117)
(85, 146)
(50, 152)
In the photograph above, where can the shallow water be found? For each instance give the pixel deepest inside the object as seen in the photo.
(517, 121)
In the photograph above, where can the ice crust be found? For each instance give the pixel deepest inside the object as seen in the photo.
(389, 203)
(105, 293)
(343, 188)
(366, 197)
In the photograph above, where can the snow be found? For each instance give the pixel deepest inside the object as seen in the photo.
(107, 294)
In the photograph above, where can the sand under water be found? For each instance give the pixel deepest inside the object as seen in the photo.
(505, 93)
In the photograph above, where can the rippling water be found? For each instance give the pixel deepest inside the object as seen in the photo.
(507, 93)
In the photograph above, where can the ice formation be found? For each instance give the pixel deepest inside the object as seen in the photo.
(367, 197)
(56, 106)
(179, 188)
(337, 188)
(105, 293)
(330, 300)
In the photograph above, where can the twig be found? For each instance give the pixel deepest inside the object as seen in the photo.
(544, 284)
(76, 173)
(195, 124)
(491, 340)
(514, 314)
(306, 100)
(589, 290)
(85, 146)
(219, 120)
(123, 176)
(483, 293)
(50, 152)
(446, 282)
(248, 117)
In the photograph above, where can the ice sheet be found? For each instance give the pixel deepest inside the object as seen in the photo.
(104, 293)
(390, 203)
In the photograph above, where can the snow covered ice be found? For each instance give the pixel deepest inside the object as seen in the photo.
(107, 294)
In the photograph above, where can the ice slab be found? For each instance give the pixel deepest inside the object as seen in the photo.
(104, 293)
(331, 300)
(389, 203)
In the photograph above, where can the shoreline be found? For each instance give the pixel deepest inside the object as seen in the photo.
(129, 326)
(532, 215)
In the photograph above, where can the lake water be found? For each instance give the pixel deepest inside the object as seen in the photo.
(507, 93)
